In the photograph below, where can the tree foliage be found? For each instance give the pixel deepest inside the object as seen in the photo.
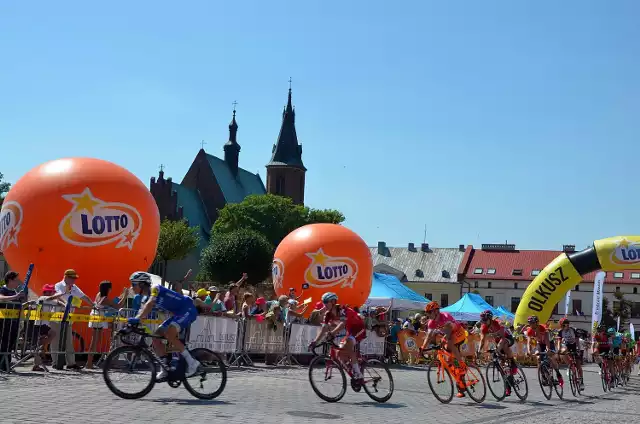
(176, 241)
(4, 188)
(233, 253)
(621, 307)
(271, 215)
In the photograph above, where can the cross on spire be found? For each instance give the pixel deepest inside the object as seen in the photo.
(289, 83)
(202, 143)
(161, 167)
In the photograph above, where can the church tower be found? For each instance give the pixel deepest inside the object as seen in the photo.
(285, 171)
(232, 148)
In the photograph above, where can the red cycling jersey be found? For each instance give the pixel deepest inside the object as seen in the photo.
(353, 323)
(458, 334)
(540, 334)
(493, 328)
(603, 340)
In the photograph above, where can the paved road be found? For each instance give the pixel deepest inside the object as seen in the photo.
(285, 396)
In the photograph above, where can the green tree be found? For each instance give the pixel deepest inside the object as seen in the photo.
(233, 253)
(4, 188)
(176, 241)
(271, 215)
(621, 308)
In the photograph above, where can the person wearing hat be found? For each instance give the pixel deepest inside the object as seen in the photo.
(64, 290)
(8, 292)
(230, 296)
(9, 326)
(259, 307)
(42, 327)
(214, 299)
(317, 314)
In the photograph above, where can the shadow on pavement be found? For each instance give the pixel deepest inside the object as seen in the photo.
(313, 415)
(169, 401)
(380, 405)
(484, 405)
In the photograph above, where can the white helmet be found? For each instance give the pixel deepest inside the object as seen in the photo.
(140, 277)
(328, 297)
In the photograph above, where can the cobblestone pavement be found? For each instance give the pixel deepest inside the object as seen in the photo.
(269, 395)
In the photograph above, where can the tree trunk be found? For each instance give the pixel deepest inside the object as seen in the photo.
(164, 273)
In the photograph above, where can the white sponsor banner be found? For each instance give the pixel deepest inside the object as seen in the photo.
(598, 284)
(567, 304)
(263, 337)
(214, 333)
(302, 335)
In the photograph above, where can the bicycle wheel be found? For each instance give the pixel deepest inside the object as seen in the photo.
(212, 371)
(573, 380)
(496, 381)
(545, 380)
(326, 369)
(437, 376)
(125, 362)
(475, 384)
(519, 384)
(559, 389)
(603, 377)
(375, 372)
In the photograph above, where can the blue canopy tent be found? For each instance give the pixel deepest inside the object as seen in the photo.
(503, 313)
(388, 290)
(469, 307)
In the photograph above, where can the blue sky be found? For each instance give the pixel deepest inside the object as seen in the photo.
(486, 121)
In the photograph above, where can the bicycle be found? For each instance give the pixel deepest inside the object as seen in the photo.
(329, 360)
(546, 377)
(443, 368)
(575, 381)
(136, 352)
(496, 373)
(605, 374)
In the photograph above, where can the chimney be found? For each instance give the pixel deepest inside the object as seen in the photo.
(382, 248)
(424, 247)
(569, 248)
(411, 247)
(461, 247)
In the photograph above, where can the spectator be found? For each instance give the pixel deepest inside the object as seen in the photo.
(406, 324)
(317, 314)
(276, 310)
(292, 294)
(291, 313)
(202, 294)
(215, 300)
(392, 339)
(249, 301)
(41, 328)
(230, 296)
(415, 323)
(9, 327)
(102, 301)
(259, 307)
(65, 289)
(178, 286)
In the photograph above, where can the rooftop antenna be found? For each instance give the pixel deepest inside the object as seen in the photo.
(424, 240)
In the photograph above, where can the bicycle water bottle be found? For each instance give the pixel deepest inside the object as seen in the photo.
(175, 360)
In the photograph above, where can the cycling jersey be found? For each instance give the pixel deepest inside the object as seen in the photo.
(540, 334)
(603, 342)
(493, 328)
(458, 334)
(616, 340)
(353, 323)
(569, 336)
(181, 307)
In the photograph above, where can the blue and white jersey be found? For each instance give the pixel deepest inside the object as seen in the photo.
(169, 300)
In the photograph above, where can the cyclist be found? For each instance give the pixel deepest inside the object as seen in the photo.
(454, 335)
(570, 338)
(616, 343)
(541, 335)
(353, 324)
(493, 328)
(603, 347)
(183, 314)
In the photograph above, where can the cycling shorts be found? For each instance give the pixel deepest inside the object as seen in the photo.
(458, 337)
(510, 340)
(616, 351)
(542, 347)
(181, 320)
(572, 347)
(603, 350)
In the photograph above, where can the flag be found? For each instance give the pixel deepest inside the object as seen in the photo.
(567, 302)
(598, 283)
(618, 326)
(632, 330)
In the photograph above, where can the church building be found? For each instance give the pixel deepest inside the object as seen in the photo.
(212, 182)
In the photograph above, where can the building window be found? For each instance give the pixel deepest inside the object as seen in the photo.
(516, 272)
(444, 300)
(477, 271)
(577, 287)
(489, 285)
(618, 274)
(535, 272)
(555, 309)
(280, 185)
(475, 285)
(515, 301)
(491, 271)
(515, 286)
(489, 300)
(635, 290)
(617, 288)
(577, 307)
(429, 296)
(635, 275)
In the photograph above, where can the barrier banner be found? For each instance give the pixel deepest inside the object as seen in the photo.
(264, 337)
(410, 342)
(372, 345)
(214, 333)
(301, 337)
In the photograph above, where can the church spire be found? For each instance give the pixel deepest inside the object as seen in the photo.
(287, 151)
(231, 147)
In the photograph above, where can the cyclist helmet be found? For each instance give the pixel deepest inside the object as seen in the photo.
(328, 297)
(611, 331)
(533, 319)
(431, 306)
(563, 321)
(140, 277)
(486, 315)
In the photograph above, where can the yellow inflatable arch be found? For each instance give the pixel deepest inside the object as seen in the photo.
(565, 271)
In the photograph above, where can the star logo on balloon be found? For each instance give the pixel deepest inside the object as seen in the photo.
(11, 217)
(326, 271)
(96, 222)
(626, 253)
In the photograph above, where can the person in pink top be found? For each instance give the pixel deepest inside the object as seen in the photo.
(442, 322)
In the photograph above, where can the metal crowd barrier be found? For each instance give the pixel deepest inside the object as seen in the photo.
(43, 334)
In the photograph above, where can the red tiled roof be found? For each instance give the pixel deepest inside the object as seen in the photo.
(504, 262)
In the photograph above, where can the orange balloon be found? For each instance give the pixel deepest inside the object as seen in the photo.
(320, 258)
(86, 214)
